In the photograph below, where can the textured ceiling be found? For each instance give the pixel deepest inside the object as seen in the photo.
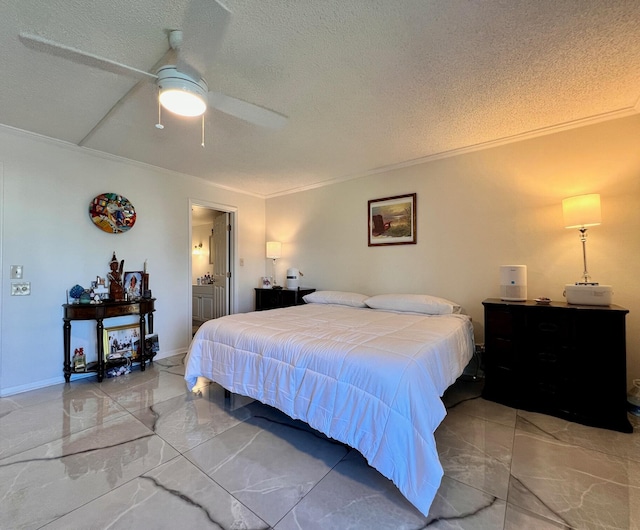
(366, 84)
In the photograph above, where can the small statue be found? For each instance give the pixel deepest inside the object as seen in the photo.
(116, 290)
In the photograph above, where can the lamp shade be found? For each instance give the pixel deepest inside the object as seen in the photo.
(581, 211)
(274, 249)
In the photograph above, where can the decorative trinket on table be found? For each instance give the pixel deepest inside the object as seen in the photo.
(79, 360)
(76, 292)
(116, 290)
(146, 293)
(119, 370)
(99, 288)
(112, 213)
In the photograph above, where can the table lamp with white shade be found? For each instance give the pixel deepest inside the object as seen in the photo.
(582, 212)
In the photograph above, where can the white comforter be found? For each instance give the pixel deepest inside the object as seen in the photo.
(369, 378)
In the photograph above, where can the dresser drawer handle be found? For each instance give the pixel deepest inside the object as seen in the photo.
(548, 327)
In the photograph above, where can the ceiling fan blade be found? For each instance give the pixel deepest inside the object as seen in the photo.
(78, 56)
(247, 111)
(203, 30)
(167, 57)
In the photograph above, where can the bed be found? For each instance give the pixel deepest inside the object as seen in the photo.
(366, 371)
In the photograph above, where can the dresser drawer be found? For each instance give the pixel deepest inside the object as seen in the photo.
(500, 323)
(549, 326)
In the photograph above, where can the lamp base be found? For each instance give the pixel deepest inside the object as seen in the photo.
(588, 294)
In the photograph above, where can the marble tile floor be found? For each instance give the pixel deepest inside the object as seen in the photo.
(139, 451)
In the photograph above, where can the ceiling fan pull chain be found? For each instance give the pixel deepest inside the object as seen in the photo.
(202, 144)
(159, 124)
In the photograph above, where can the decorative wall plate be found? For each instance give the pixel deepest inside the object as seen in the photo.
(112, 213)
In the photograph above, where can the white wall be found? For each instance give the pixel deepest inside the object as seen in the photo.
(476, 212)
(46, 228)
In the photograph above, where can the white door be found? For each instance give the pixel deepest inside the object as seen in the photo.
(220, 238)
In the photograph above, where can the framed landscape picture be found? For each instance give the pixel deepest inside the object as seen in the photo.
(392, 221)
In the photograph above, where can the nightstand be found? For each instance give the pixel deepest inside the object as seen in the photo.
(275, 298)
(560, 359)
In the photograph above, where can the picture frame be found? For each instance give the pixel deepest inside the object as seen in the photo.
(122, 342)
(265, 282)
(392, 221)
(132, 284)
(151, 345)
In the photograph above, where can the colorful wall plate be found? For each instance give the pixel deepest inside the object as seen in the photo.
(112, 213)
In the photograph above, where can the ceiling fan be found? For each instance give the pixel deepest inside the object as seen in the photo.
(182, 88)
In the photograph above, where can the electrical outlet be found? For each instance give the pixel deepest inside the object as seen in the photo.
(242, 262)
(16, 272)
(20, 288)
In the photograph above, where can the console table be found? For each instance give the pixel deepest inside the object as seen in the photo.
(98, 312)
(560, 359)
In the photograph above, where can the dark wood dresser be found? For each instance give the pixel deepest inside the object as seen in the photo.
(560, 359)
(275, 298)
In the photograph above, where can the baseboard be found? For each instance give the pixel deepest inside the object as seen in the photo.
(58, 380)
(40, 384)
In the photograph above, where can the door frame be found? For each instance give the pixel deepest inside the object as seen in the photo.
(233, 245)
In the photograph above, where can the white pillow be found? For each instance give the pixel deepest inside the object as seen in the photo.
(417, 303)
(336, 297)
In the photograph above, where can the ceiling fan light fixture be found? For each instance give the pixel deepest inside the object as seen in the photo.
(181, 102)
(180, 94)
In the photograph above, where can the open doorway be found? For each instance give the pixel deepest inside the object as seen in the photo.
(211, 259)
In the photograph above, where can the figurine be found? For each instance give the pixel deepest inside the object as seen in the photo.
(116, 291)
(79, 360)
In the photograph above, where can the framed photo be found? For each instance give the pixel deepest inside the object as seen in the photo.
(122, 342)
(133, 285)
(151, 345)
(265, 282)
(392, 221)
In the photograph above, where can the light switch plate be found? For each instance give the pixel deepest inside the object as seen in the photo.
(16, 272)
(20, 288)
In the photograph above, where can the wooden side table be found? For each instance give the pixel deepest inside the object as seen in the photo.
(99, 312)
